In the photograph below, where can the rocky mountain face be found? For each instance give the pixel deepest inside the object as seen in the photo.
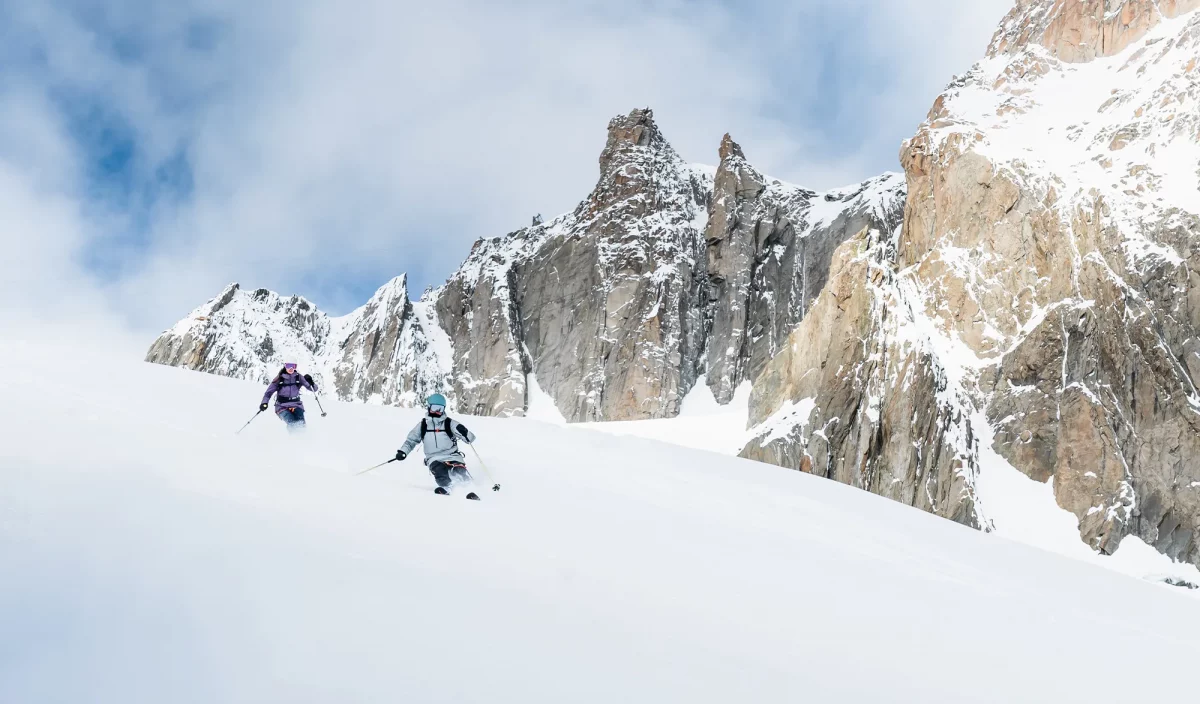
(603, 303)
(1076, 31)
(769, 248)
(1039, 307)
(666, 272)
(859, 395)
(621, 305)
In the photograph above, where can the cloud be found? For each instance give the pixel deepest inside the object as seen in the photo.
(323, 147)
(42, 224)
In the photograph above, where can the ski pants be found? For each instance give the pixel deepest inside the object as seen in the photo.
(294, 417)
(446, 473)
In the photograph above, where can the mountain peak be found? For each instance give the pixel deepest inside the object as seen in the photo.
(730, 148)
(397, 285)
(223, 299)
(628, 136)
(636, 129)
(638, 169)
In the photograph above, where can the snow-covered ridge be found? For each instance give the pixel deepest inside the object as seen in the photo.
(491, 257)
(1123, 128)
(247, 334)
(387, 351)
(876, 196)
(1078, 31)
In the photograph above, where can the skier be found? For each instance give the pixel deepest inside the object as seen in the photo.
(439, 433)
(288, 405)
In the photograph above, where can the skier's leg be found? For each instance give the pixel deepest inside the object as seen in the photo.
(441, 473)
(294, 419)
(459, 473)
(462, 476)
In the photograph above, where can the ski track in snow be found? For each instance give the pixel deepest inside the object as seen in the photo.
(156, 556)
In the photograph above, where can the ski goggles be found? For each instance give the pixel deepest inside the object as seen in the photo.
(290, 366)
(436, 410)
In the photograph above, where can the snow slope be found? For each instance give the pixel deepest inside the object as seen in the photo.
(152, 556)
(702, 423)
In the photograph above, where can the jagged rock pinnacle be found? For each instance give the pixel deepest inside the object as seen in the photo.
(627, 134)
(730, 148)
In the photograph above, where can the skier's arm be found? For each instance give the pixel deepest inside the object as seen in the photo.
(461, 431)
(271, 389)
(309, 383)
(414, 437)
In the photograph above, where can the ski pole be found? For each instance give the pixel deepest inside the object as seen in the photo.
(495, 486)
(368, 469)
(323, 413)
(239, 432)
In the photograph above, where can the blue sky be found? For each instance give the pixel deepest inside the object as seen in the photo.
(151, 152)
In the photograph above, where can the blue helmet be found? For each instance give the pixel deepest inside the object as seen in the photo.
(435, 400)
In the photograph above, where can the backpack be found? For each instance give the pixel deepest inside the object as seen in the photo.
(446, 429)
(281, 384)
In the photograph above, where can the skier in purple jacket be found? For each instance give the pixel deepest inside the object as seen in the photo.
(287, 385)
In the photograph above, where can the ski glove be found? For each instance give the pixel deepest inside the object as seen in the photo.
(262, 407)
(462, 430)
(400, 455)
(308, 378)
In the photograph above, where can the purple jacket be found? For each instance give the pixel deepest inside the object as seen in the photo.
(288, 387)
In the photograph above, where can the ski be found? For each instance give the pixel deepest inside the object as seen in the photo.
(442, 491)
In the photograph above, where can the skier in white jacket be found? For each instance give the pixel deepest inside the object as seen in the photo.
(439, 434)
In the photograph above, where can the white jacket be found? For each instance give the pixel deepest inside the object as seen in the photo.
(439, 445)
